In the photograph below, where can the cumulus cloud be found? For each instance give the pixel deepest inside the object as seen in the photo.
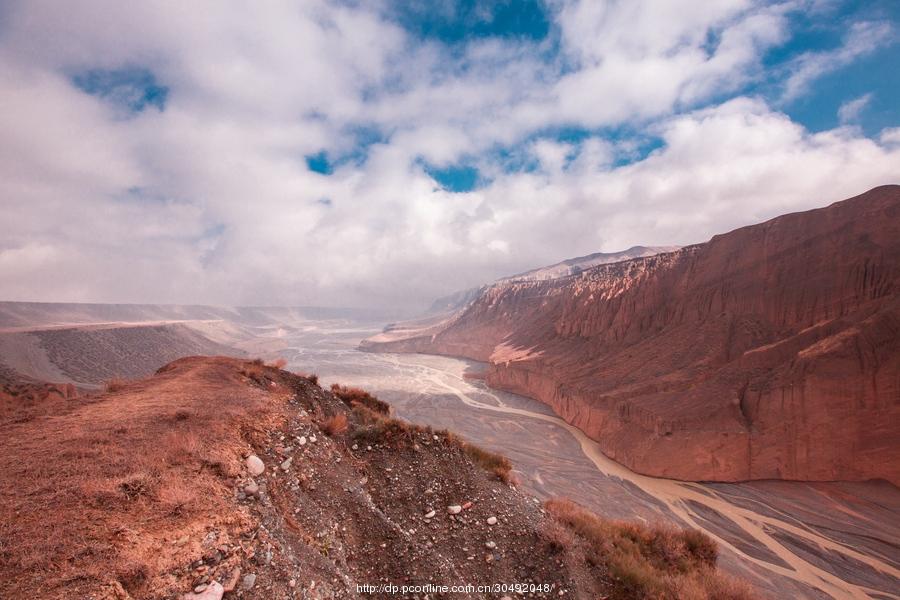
(203, 193)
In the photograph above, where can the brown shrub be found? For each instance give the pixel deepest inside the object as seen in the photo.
(650, 562)
(353, 395)
(374, 427)
(313, 378)
(491, 462)
(335, 424)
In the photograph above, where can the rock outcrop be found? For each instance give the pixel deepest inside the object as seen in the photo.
(772, 351)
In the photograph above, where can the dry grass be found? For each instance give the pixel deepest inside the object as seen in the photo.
(491, 462)
(353, 396)
(374, 425)
(659, 562)
(119, 476)
(335, 424)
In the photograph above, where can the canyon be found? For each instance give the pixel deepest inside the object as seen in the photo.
(770, 352)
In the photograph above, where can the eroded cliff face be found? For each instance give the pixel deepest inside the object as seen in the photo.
(772, 351)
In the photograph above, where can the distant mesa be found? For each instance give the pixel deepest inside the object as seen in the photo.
(770, 352)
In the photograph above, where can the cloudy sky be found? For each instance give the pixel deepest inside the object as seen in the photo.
(384, 153)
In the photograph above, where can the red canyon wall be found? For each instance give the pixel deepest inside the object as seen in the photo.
(772, 351)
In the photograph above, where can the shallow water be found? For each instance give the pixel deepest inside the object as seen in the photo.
(789, 539)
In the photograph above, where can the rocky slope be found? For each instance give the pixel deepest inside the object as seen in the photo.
(772, 351)
(227, 477)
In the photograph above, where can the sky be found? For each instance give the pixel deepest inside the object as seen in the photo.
(381, 154)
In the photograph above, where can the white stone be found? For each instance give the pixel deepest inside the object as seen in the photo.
(430, 514)
(492, 520)
(255, 465)
(454, 509)
(302, 440)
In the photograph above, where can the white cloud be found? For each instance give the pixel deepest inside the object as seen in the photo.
(210, 200)
(861, 39)
(850, 110)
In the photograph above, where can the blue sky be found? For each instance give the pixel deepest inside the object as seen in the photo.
(336, 152)
(872, 79)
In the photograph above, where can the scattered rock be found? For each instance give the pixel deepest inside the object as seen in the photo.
(490, 545)
(286, 465)
(467, 505)
(454, 509)
(255, 465)
(232, 580)
(492, 520)
(430, 514)
(249, 581)
(213, 591)
(251, 489)
(302, 440)
(312, 439)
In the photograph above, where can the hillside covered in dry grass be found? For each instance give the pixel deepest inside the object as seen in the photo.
(221, 476)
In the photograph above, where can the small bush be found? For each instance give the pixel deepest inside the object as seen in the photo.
(313, 378)
(335, 424)
(491, 462)
(353, 395)
(376, 428)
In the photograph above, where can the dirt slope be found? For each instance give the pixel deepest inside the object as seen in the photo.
(148, 492)
(90, 355)
(771, 352)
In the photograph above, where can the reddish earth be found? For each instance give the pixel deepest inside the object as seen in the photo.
(144, 492)
(770, 352)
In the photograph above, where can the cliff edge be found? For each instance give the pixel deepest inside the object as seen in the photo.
(770, 352)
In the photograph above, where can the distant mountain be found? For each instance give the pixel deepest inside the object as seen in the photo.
(770, 352)
(454, 302)
(573, 266)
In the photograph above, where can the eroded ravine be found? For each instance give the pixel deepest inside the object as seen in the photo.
(677, 495)
(420, 387)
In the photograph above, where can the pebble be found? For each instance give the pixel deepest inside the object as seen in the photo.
(430, 514)
(286, 465)
(492, 520)
(255, 465)
(490, 545)
(213, 591)
(302, 440)
(454, 509)
(200, 588)
(312, 439)
(249, 581)
(251, 489)
(354, 447)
